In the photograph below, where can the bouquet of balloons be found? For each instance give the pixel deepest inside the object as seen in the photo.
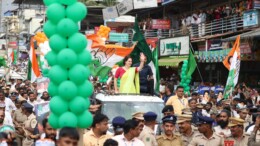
(185, 80)
(69, 85)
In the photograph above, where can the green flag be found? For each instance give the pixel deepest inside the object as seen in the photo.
(191, 64)
(141, 46)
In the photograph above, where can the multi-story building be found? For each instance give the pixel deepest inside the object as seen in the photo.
(5, 5)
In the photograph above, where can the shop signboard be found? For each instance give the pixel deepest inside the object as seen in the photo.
(174, 46)
(110, 13)
(161, 24)
(215, 44)
(164, 2)
(140, 4)
(124, 7)
(118, 37)
(250, 18)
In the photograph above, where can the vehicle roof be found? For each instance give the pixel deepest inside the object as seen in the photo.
(127, 98)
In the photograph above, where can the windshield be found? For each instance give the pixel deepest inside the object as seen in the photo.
(126, 109)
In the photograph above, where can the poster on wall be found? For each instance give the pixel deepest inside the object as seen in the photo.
(110, 13)
(174, 46)
(139, 4)
(124, 7)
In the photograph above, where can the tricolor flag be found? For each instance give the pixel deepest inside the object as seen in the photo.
(105, 57)
(232, 63)
(33, 67)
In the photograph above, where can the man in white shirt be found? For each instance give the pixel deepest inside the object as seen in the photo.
(9, 105)
(202, 20)
(8, 118)
(32, 100)
(131, 131)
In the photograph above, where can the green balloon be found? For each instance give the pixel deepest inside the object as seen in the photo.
(49, 2)
(78, 105)
(68, 2)
(185, 62)
(84, 57)
(55, 12)
(57, 43)
(67, 58)
(76, 12)
(79, 73)
(68, 119)
(77, 42)
(51, 58)
(187, 88)
(85, 89)
(49, 29)
(58, 106)
(67, 90)
(52, 89)
(45, 72)
(53, 120)
(188, 81)
(66, 27)
(58, 74)
(85, 120)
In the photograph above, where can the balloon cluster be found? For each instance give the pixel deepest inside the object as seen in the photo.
(103, 31)
(185, 80)
(40, 37)
(68, 58)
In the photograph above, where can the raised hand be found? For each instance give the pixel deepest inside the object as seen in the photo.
(142, 57)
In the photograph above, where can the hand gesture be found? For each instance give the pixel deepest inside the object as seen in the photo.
(142, 57)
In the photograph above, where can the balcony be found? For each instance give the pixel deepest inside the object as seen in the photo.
(217, 28)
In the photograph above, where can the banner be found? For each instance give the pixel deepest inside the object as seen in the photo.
(42, 84)
(174, 46)
(110, 13)
(232, 62)
(139, 4)
(161, 24)
(41, 111)
(124, 7)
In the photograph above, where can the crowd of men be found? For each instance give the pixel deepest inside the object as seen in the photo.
(187, 121)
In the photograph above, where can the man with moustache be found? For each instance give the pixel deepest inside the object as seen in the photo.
(169, 138)
(97, 135)
(49, 136)
(237, 138)
(206, 137)
(222, 128)
(185, 129)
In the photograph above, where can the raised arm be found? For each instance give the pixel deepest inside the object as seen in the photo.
(142, 59)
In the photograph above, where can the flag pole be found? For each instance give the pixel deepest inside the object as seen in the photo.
(197, 64)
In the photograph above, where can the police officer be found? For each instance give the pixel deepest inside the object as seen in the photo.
(148, 135)
(118, 124)
(18, 119)
(168, 110)
(206, 137)
(237, 137)
(185, 128)
(29, 125)
(169, 138)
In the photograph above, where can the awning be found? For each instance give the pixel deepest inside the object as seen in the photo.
(246, 35)
(172, 61)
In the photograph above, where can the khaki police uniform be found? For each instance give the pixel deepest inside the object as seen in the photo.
(31, 122)
(163, 140)
(236, 142)
(200, 139)
(19, 117)
(186, 117)
(231, 140)
(148, 137)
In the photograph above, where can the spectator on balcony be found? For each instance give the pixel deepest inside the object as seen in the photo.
(194, 24)
(202, 20)
(184, 28)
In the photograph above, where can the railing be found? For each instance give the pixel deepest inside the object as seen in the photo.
(197, 31)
